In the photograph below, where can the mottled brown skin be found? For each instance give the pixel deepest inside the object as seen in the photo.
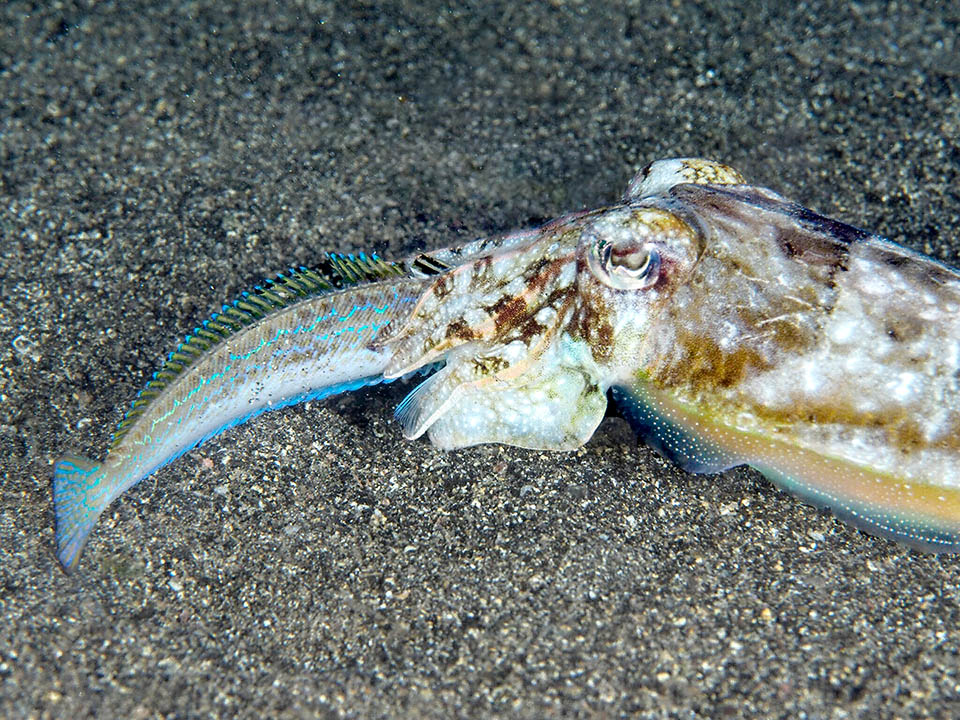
(591, 324)
(458, 330)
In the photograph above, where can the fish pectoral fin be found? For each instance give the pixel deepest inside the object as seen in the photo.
(650, 420)
(422, 405)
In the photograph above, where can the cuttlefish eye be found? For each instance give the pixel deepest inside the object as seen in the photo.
(627, 265)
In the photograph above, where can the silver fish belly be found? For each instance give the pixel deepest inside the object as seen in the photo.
(731, 325)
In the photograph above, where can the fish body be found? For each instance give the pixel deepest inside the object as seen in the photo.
(731, 325)
(297, 339)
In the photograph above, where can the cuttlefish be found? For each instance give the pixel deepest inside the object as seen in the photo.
(730, 325)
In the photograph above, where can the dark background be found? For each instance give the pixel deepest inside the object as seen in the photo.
(154, 162)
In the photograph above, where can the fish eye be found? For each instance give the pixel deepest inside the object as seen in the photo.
(625, 266)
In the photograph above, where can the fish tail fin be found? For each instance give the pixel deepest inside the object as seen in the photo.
(78, 501)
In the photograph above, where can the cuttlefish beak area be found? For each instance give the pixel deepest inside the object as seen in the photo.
(491, 322)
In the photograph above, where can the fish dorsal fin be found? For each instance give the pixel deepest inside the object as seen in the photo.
(335, 272)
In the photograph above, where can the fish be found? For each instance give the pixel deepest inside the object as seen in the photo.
(731, 326)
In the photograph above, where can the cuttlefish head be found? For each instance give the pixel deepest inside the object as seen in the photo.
(631, 259)
(532, 332)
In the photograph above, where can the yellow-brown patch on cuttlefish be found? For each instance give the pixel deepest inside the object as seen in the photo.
(703, 366)
(900, 429)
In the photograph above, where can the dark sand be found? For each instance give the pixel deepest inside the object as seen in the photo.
(154, 163)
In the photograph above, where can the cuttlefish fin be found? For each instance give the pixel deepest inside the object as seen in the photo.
(694, 453)
(912, 512)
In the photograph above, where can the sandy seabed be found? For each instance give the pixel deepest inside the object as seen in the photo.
(157, 160)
